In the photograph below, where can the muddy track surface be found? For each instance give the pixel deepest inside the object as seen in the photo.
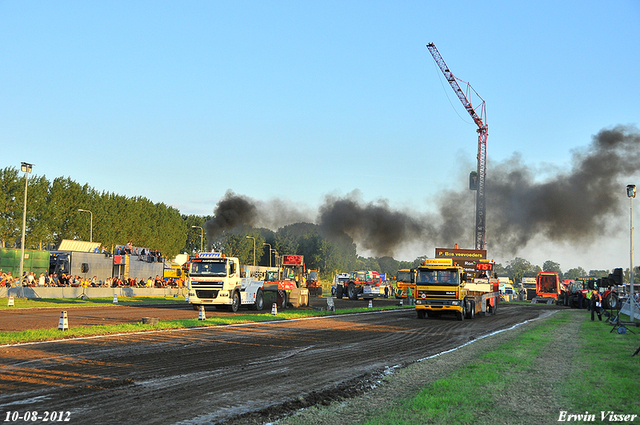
(249, 373)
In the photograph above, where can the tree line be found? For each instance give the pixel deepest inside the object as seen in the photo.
(52, 215)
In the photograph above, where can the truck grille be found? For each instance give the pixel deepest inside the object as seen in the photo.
(206, 293)
(438, 295)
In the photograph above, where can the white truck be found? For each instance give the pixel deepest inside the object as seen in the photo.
(217, 280)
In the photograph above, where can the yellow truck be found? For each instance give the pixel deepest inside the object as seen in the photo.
(443, 287)
(405, 283)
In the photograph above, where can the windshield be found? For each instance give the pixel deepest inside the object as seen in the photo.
(209, 269)
(404, 276)
(443, 277)
(271, 276)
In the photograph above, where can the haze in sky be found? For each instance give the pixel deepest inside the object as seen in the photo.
(301, 107)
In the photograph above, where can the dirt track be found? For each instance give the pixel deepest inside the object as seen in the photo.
(248, 373)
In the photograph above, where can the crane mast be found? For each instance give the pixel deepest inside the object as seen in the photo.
(483, 131)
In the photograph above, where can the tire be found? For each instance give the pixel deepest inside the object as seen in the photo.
(611, 301)
(259, 305)
(196, 307)
(339, 291)
(471, 310)
(352, 292)
(235, 302)
(460, 314)
(283, 304)
(422, 314)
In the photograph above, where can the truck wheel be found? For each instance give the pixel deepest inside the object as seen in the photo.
(196, 307)
(352, 292)
(235, 302)
(421, 314)
(339, 291)
(460, 314)
(259, 305)
(471, 310)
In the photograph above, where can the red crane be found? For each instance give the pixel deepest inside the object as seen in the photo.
(483, 131)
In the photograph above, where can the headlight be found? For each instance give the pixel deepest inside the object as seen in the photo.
(455, 302)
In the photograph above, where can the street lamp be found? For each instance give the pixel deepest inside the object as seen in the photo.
(254, 249)
(631, 193)
(269, 252)
(90, 223)
(201, 235)
(26, 168)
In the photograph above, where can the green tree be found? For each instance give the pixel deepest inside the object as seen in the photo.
(518, 268)
(10, 212)
(389, 266)
(598, 273)
(552, 266)
(575, 273)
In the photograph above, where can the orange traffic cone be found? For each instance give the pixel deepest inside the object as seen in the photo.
(63, 324)
(274, 309)
(201, 315)
(10, 302)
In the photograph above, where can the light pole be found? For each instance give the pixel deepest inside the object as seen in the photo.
(201, 235)
(90, 223)
(254, 249)
(26, 168)
(631, 193)
(269, 252)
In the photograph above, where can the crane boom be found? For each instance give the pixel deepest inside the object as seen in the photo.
(483, 132)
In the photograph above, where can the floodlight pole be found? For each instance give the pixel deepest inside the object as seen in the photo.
(631, 193)
(26, 168)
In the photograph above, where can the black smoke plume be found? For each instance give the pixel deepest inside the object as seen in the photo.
(231, 212)
(572, 206)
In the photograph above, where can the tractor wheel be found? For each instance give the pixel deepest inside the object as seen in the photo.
(339, 291)
(352, 292)
(611, 301)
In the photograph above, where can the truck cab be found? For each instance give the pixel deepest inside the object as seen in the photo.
(405, 283)
(215, 279)
(442, 287)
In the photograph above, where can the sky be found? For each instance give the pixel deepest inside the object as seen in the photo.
(293, 103)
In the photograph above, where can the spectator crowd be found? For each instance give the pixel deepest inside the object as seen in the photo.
(29, 279)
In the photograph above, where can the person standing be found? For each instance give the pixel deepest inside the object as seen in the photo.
(596, 305)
